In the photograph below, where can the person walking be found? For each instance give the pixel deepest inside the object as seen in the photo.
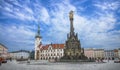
(0, 61)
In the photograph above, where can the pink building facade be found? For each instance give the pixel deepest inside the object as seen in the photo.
(89, 53)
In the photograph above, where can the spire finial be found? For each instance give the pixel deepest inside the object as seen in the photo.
(71, 14)
(38, 32)
(38, 29)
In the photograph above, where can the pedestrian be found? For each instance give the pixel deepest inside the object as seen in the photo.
(10, 59)
(108, 60)
(0, 61)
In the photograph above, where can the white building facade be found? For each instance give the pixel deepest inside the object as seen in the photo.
(99, 53)
(116, 55)
(109, 54)
(22, 54)
(52, 51)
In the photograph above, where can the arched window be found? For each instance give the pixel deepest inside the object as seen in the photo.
(49, 57)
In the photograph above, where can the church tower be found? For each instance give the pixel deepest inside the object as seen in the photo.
(37, 44)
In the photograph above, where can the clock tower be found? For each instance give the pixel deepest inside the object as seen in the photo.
(37, 44)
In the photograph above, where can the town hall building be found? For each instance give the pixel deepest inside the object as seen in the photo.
(49, 51)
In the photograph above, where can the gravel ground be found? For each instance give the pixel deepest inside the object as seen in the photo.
(38, 65)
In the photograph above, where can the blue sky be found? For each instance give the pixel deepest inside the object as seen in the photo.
(97, 22)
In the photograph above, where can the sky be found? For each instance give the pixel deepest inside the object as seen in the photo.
(97, 22)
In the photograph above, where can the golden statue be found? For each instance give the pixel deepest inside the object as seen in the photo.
(71, 14)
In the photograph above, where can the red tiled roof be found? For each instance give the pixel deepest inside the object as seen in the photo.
(115, 50)
(40, 45)
(54, 46)
(45, 47)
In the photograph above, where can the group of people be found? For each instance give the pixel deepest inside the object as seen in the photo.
(1, 60)
(99, 60)
(4, 60)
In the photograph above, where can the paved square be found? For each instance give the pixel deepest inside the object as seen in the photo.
(59, 66)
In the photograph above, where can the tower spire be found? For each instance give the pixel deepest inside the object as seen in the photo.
(38, 31)
(71, 23)
(37, 43)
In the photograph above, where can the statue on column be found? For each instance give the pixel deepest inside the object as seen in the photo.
(71, 15)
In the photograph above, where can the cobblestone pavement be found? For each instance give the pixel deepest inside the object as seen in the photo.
(37, 65)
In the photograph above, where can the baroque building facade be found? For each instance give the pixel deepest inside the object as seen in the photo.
(52, 51)
(49, 51)
(98, 53)
(3, 51)
(109, 54)
(89, 53)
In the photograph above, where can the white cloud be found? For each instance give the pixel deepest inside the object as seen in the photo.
(18, 36)
(93, 32)
(20, 31)
(60, 21)
(25, 12)
(29, 10)
(44, 15)
(108, 5)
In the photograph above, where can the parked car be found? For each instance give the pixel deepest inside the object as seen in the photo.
(3, 60)
(0, 61)
(117, 60)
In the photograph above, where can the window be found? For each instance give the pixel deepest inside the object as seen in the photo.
(57, 54)
(61, 54)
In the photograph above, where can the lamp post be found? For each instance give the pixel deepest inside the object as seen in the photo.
(29, 57)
